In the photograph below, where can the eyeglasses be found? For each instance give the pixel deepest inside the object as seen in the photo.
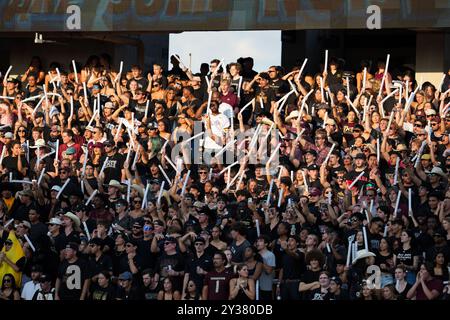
(199, 244)
(137, 201)
(203, 172)
(418, 125)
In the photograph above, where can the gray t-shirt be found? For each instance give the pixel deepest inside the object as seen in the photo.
(266, 279)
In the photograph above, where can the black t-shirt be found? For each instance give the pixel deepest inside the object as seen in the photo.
(293, 267)
(192, 262)
(148, 259)
(352, 175)
(317, 294)
(139, 109)
(74, 236)
(238, 251)
(102, 264)
(280, 87)
(175, 262)
(267, 95)
(374, 241)
(309, 277)
(150, 294)
(113, 167)
(10, 163)
(101, 294)
(406, 256)
(72, 277)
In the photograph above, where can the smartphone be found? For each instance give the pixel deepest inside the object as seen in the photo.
(250, 201)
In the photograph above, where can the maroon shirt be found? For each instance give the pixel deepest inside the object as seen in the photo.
(433, 284)
(229, 98)
(101, 215)
(218, 285)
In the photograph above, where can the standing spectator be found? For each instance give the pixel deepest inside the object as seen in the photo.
(216, 284)
(73, 278)
(29, 289)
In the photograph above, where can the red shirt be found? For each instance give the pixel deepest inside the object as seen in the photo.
(64, 147)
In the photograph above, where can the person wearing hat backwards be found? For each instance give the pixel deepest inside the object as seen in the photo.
(72, 282)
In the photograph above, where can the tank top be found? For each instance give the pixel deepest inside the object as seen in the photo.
(241, 296)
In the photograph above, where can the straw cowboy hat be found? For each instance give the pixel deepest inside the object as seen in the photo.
(74, 218)
(362, 254)
(40, 143)
(116, 184)
(139, 189)
(294, 114)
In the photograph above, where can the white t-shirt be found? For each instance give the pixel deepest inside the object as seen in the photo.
(219, 123)
(29, 289)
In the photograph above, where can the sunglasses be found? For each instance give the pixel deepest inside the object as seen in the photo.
(199, 244)
(418, 125)
(203, 172)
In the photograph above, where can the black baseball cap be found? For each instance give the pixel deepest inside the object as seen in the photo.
(199, 239)
(170, 239)
(109, 143)
(337, 280)
(312, 152)
(45, 278)
(96, 241)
